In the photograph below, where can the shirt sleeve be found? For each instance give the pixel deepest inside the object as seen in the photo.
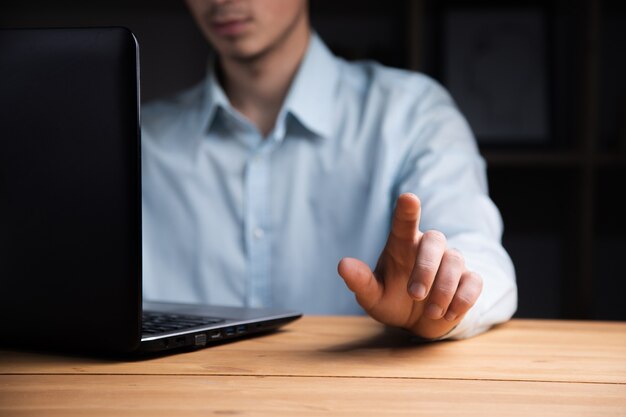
(444, 168)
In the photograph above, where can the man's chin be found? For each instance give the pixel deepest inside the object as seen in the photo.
(248, 54)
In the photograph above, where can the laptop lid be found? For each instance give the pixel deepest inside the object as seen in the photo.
(70, 209)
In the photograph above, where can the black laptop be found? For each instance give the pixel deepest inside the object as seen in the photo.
(70, 204)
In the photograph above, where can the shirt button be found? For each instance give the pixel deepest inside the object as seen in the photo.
(258, 233)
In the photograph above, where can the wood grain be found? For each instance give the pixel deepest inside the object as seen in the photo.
(524, 350)
(131, 395)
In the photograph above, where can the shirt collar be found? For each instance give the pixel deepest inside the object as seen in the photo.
(214, 96)
(312, 93)
(310, 98)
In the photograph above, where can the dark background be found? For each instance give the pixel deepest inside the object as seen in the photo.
(560, 191)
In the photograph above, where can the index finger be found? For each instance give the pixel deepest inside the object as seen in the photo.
(406, 218)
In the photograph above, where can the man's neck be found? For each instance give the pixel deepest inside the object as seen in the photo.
(257, 87)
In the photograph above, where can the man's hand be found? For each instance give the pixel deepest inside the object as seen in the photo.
(419, 283)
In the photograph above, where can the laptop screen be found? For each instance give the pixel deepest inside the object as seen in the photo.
(70, 195)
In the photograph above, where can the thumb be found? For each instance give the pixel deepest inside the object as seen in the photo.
(359, 278)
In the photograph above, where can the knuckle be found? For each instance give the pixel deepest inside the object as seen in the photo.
(469, 293)
(464, 300)
(405, 215)
(461, 303)
(454, 256)
(444, 291)
(435, 236)
(427, 264)
(475, 281)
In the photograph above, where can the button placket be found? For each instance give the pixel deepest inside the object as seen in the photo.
(257, 228)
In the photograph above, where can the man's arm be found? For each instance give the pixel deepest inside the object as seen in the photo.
(443, 271)
(419, 283)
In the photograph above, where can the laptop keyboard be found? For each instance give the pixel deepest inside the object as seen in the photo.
(155, 322)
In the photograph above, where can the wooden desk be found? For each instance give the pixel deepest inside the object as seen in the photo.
(345, 366)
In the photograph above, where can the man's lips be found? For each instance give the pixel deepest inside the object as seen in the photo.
(231, 27)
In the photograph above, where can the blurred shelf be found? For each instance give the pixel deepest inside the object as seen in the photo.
(517, 158)
(610, 160)
(556, 159)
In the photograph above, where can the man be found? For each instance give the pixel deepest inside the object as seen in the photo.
(286, 158)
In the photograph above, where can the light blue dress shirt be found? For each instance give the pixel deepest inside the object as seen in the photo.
(234, 218)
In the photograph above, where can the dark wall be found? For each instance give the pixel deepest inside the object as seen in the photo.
(558, 182)
(172, 50)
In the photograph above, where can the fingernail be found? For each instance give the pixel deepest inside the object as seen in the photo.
(433, 311)
(417, 290)
(450, 315)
